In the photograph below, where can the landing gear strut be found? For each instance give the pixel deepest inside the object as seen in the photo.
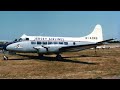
(59, 57)
(5, 57)
(95, 52)
(41, 56)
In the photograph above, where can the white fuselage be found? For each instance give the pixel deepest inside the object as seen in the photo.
(45, 44)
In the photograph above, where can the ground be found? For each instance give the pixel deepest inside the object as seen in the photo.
(75, 65)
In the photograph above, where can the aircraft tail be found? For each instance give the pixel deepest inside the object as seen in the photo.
(96, 35)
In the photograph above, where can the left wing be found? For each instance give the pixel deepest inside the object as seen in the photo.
(82, 47)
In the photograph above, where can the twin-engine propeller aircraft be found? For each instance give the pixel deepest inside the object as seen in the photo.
(57, 45)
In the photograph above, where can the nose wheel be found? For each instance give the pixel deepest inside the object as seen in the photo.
(5, 57)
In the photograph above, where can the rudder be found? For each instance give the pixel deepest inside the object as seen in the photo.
(96, 35)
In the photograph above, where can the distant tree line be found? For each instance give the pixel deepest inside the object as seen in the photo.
(1, 42)
(114, 42)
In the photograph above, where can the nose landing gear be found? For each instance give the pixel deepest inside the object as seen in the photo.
(5, 57)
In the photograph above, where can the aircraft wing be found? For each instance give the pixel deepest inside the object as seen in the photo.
(82, 47)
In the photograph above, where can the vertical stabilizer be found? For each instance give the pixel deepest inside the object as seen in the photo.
(96, 35)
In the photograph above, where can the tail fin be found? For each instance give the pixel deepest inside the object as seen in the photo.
(96, 35)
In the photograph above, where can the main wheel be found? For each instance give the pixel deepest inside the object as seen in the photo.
(59, 57)
(41, 56)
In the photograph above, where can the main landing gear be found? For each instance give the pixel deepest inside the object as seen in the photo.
(59, 57)
(41, 56)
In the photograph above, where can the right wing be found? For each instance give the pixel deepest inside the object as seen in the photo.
(82, 47)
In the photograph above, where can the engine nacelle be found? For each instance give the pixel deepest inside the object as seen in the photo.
(42, 50)
(48, 49)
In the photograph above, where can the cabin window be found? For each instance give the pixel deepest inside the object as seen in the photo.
(60, 42)
(49, 42)
(73, 43)
(44, 43)
(38, 42)
(66, 43)
(27, 38)
(55, 42)
(33, 42)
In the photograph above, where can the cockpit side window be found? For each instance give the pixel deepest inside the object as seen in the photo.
(27, 38)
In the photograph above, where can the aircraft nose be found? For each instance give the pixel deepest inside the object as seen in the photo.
(9, 47)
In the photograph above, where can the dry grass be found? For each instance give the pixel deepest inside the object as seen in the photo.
(76, 65)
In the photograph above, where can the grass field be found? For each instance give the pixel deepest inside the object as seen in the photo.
(76, 65)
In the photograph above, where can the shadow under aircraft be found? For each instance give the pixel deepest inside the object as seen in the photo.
(46, 58)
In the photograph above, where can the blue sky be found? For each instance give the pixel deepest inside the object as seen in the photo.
(58, 23)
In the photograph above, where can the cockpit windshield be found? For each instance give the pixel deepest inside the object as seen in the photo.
(23, 39)
(20, 39)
